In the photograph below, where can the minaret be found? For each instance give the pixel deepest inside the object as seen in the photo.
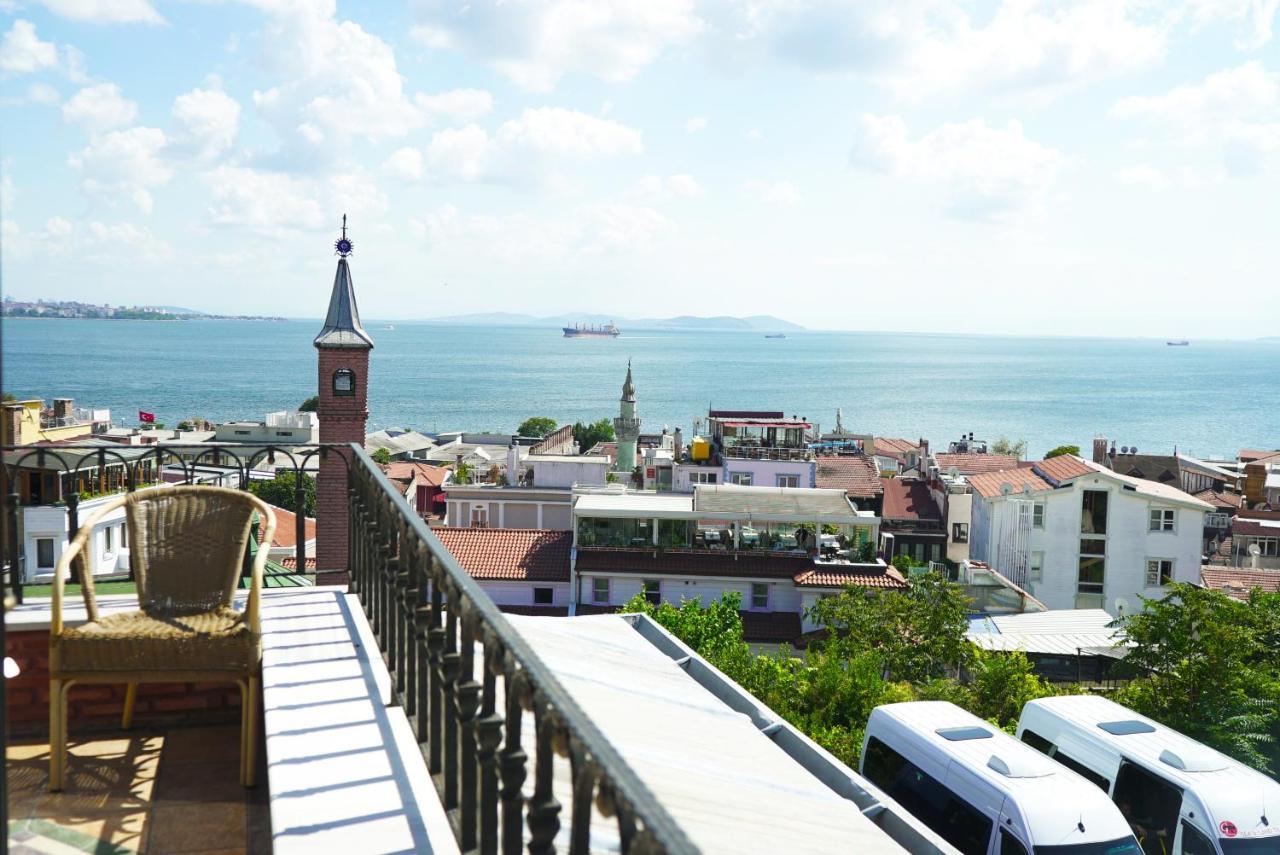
(343, 349)
(626, 427)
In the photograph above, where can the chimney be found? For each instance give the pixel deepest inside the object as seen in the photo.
(62, 408)
(678, 447)
(13, 425)
(1100, 450)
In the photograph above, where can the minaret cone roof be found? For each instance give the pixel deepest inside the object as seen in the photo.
(342, 324)
(628, 388)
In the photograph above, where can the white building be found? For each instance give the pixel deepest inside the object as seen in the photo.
(45, 538)
(1078, 535)
(538, 494)
(282, 428)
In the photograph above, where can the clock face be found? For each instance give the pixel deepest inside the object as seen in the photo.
(344, 382)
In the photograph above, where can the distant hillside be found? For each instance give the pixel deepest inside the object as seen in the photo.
(759, 323)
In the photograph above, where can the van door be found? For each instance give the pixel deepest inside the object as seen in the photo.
(1193, 841)
(1150, 804)
(1011, 837)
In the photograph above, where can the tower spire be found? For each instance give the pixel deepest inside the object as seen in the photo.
(628, 388)
(342, 327)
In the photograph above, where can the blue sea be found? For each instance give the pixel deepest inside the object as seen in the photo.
(1210, 398)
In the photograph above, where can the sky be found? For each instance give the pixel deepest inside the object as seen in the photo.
(1098, 167)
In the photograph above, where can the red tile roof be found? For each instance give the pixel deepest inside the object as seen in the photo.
(287, 528)
(1253, 528)
(522, 554)
(1063, 468)
(1220, 500)
(409, 470)
(856, 474)
(1237, 583)
(290, 562)
(971, 464)
(1249, 455)
(861, 576)
(991, 484)
(742, 565)
(891, 447)
(906, 499)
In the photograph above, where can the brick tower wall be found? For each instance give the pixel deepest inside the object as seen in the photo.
(342, 419)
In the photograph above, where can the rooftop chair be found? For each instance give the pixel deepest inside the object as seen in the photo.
(187, 545)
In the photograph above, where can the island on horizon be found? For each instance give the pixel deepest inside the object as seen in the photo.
(64, 309)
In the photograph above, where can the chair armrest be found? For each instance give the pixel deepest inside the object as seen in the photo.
(78, 544)
(253, 605)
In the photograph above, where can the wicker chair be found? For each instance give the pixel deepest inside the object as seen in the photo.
(186, 547)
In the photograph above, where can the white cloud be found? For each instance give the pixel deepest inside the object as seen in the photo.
(659, 188)
(404, 164)
(1234, 113)
(22, 52)
(124, 165)
(42, 93)
(1254, 18)
(986, 171)
(99, 108)
(459, 152)
(782, 194)
(263, 202)
(206, 122)
(1143, 175)
(536, 42)
(105, 11)
(696, 124)
(555, 130)
(457, 105)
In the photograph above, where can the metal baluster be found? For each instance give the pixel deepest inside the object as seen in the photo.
(584, 782)
(450, 663)
(17, 562)
(411, 549)
(488, 737)
(404, 616)
(467, 698)
(544, 810)
(435, 653)
(514, 759)
(626, 824)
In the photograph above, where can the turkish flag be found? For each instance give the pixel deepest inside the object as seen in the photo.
(144, 416)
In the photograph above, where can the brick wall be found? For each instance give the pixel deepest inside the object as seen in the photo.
(100, 705)
(342, 419)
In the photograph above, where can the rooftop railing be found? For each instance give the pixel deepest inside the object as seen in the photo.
(762, 452)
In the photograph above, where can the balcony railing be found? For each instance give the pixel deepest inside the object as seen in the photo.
(763, 452)
(429, 617)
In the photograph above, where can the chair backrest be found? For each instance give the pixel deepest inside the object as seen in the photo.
(187, 546)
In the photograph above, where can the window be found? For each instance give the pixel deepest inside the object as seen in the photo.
(918, 549)
(1149, 803)
(600, 590)
(1093, 512)
(788, 480)
(955, 820)
(1216, 520)
(741, 478)
(1093, 571)
(759, 596)
(702, 477)
(1082, 770)
(479, 517)
(543, 596)
(107, 538)
(960, 532)
(44, 553)
(1037, 515)
(1193, 842)
(1159, 572)
(124, 536)
(935, 552)
(284, 433)
(242, 433)
(653, 591)
(1010, 845)
(1035, 572)
(344, 382)
(1162, 519)
(1036, 741)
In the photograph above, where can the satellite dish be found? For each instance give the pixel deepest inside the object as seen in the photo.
(953, 471)
(1026, 489)
(1255, 549)
(1120, 606)
(1124, 449)
(1133, 449)
(1006, 488)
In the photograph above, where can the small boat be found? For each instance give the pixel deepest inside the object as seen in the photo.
(390, 326)
(775, 335)
(1179, 343)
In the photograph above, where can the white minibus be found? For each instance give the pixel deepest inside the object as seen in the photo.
(984, 792)
(1179, 795)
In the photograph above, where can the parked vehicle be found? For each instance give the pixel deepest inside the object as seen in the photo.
(984, 792)
(1179, 795)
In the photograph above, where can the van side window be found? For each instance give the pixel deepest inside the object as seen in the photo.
(955, 820)
(1010, 845)
(1150, 805)
(1082, 770)
(1036, 741)
(1193, 842)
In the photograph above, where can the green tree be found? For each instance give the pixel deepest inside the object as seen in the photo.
(588, 435)
(462, 474)
(8, 397)
(1061, 450)
(1210, 669)
(1004, 445)
(310, 405)
(281, 492)
(381, 455)
(539, 426)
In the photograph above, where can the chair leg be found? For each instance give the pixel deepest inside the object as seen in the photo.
(130, 695)
(249, 731)
(56, 744)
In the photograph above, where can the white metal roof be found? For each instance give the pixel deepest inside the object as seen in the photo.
(1064, 632)
(727, 784)
(1154, 489)
(1050, 798)
(1231, 791)
(800, 502)
(632, 504)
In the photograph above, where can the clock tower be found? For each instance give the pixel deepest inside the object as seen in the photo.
(343, 356)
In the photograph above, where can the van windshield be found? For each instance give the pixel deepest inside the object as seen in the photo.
(1250, 845)
(1123, 846)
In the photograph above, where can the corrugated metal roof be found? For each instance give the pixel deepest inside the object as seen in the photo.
(800, 502)
(1064, 632)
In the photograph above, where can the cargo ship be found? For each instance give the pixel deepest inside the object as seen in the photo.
(588, 331)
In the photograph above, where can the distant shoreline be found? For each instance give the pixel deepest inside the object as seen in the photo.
(162, 318)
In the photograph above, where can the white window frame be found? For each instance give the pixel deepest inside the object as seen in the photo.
(108, 539)
(734, 478)
(755, 588)
(644, 589)
(1035, 567)
(702, 477)
(479, 516)
(959, 532)
(595, 590)
(53, 553)
(792, 480)
(1167, 523)
(1153, 573)
(1037, 515)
